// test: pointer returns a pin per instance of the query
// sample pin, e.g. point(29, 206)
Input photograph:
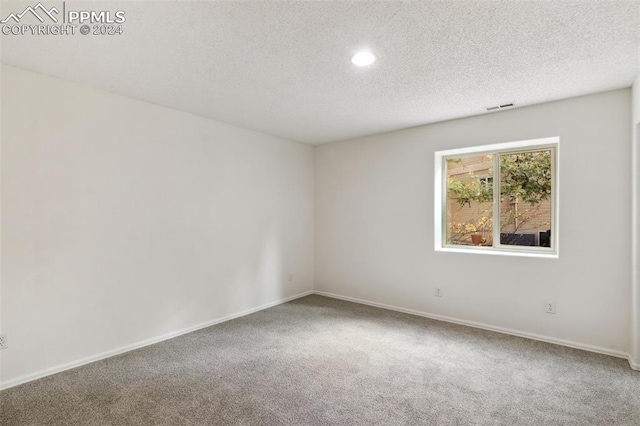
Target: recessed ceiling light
point(362, 59)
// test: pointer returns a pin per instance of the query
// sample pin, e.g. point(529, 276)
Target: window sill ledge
point(498, 252)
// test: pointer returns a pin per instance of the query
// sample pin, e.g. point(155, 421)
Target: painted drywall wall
point(1, 216)
point(123, 221)
point(375, 214)
point(635, 99)
point(635, 252)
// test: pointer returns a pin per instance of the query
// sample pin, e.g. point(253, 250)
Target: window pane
point(469, 205)
point(525, 199)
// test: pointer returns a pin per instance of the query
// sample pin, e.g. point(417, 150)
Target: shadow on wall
point(233, 288)
point(259, 280)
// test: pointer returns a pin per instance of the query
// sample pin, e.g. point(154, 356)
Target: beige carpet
point(320, 361)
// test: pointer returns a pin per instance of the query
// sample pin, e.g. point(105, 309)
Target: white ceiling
point(284, 68)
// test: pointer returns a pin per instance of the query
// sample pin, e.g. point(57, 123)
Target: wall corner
point(634, 349)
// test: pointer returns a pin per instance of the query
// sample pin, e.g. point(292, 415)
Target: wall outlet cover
point(550, 307)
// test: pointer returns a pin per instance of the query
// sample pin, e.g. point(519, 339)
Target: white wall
point(635, 89)
point(635, 252)
point(374, 225)
point(123, 221)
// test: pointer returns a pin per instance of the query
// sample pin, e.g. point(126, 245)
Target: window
point(499, 199)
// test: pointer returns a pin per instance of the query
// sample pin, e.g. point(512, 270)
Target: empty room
point(320, 212)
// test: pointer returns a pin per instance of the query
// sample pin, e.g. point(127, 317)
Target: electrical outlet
point(438, 292)
point(3, 341)
point(550, 307)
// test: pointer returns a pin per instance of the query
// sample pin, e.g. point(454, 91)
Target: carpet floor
point(321, 361)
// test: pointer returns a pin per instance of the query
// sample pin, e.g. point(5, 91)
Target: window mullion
point(496, 199)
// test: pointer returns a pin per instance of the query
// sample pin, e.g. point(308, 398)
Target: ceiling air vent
point(497, 107)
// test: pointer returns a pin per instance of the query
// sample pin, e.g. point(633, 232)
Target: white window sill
point(498, 252)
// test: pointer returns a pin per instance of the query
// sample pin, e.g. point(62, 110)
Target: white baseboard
point(633, 364)
point(97, 357)
point(561, 342)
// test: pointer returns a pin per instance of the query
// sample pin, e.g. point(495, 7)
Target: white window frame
point(440, 198)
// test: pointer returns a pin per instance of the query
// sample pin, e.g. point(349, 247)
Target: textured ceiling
point(284, 68)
